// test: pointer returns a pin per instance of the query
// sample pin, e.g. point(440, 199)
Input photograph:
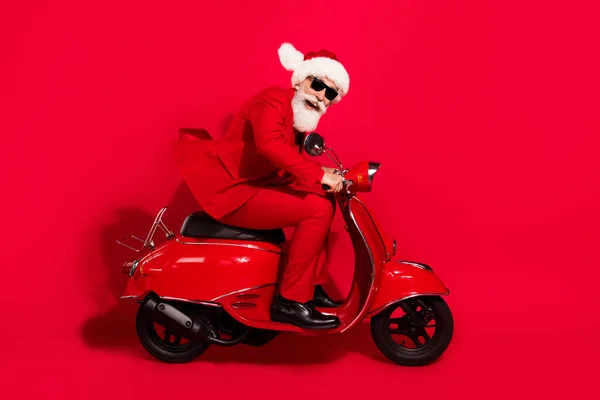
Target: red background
point(484, 115)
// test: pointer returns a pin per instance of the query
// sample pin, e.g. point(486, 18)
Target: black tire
point(426, 308)
point(163, 349)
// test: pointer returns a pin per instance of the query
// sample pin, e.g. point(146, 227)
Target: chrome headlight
point(373, 168)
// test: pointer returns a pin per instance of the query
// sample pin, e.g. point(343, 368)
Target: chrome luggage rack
point(149, 242)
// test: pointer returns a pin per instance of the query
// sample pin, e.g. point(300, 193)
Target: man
point(257, 178)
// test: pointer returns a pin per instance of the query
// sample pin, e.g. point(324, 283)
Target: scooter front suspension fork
point(419, 318)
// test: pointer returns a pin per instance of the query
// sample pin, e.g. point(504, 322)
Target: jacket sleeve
point(267, 117)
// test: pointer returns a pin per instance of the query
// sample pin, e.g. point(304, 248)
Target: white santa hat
point(323, 64)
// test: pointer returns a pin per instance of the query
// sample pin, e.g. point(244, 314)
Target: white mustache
point(315, 101)
point(306, 118)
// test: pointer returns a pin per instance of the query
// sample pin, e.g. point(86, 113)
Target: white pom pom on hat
point(290, 57)
point(322, 63)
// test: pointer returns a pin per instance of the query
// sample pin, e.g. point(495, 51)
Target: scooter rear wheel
point(167, 347)
point(408, 339)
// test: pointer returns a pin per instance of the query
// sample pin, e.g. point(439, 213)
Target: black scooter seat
point(202, 225)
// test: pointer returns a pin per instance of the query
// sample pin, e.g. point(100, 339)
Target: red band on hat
point(320, 53)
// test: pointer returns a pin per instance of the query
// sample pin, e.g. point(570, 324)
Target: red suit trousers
point(311, 216)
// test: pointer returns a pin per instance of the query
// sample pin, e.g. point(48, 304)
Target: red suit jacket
point(258, 149)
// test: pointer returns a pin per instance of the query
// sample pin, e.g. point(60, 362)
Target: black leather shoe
point(302, 315)
point(322, 300)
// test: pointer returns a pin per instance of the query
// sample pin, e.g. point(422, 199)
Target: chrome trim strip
point(383, 307)
point(388, 258)
point(360, 231)
point(353, 322)
point(248, 246)
point(243, 290)
point(204, 303)
point(416, 264)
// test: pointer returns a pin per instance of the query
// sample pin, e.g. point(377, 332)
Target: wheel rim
point(408, 336)
point(169, 341)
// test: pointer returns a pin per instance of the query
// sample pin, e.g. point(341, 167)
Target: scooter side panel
point(251, 307)
point(403, 279)
point(205, 269)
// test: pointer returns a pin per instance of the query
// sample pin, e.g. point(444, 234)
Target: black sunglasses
point(318, 85)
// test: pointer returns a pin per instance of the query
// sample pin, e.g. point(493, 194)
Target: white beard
point(306, 119)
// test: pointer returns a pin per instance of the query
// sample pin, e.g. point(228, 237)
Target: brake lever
point(347, 185)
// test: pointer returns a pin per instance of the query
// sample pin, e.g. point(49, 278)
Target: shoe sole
point(284, 320)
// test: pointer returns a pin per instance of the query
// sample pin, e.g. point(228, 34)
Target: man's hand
point(328, 169)
point(335, 182)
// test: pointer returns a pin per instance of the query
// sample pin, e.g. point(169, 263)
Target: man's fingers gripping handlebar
point(328, 188)
point(332, 182)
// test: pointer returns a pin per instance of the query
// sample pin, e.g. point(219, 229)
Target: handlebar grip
point(325, 186)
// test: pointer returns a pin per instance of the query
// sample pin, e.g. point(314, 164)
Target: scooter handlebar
point(327, 187)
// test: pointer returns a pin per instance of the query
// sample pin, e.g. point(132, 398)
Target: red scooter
point(214, 283)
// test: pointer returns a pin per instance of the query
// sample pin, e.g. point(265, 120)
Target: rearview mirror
point(314, 144)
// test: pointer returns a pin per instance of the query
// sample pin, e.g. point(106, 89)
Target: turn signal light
point(129, 267)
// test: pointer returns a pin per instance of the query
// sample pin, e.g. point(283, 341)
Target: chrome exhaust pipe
point(176, 321)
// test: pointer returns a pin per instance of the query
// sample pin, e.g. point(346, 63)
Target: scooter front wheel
point(164, 345)
point(418, 335)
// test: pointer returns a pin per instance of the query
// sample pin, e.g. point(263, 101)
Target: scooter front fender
point(404, 279)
